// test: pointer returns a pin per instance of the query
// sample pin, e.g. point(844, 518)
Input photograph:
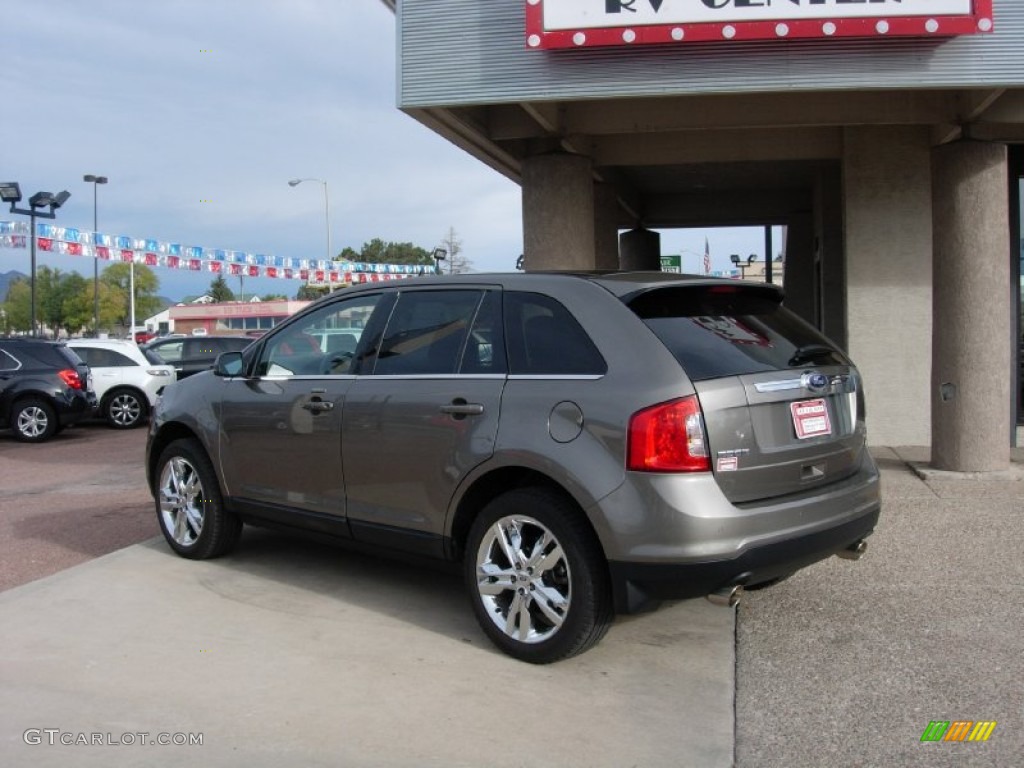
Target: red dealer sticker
point(589, 23)
point(810, 418)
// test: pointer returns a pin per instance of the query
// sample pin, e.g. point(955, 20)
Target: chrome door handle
point(318, 406)
point(460, 407)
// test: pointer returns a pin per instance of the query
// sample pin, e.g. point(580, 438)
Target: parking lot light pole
point(327, 210)
point(96, 181)
point(10, 192)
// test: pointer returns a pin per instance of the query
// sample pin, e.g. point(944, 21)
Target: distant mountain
point(6, 278)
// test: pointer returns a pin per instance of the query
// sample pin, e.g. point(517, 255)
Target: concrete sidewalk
point(847, 663)
point(291, 653)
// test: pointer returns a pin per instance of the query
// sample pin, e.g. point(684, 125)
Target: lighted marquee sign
point(588, 23)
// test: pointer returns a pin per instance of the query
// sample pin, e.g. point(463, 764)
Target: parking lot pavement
point(292, 653)
point(77, 496)
point(848, 663)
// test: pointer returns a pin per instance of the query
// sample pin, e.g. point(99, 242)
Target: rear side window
point(716, 331)
point(543, 338)
point(8, 362)
point(98, 357)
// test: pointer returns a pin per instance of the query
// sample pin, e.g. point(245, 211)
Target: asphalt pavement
point(289, 652)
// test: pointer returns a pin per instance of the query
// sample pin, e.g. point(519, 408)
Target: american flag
point(707, 257)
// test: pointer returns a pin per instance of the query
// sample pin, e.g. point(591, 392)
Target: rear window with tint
point(716, 331)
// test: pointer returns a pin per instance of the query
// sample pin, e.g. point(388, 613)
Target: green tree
point(18, 306)
point(75, 302)
point(146, 285)
point(309, 292)
point(273, 297)
point(220, 290)
point(378, 251)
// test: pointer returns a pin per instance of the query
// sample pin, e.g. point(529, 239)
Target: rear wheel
point(189, 504)
point(125, 408)
point(537, 577)
point(33, 420)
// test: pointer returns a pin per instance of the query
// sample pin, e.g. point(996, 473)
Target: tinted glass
point(323, 342)
point(7, 362)
point(170, 352)
point(427, 332)
point(544, 338)
point(99, 357)
point(485, 348)
point(731, 330)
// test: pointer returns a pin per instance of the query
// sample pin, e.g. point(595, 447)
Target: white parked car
point(125, 382)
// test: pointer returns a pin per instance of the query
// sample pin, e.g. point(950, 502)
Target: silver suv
point(582, 444)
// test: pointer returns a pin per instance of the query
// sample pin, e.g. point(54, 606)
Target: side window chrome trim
point(421, 376)
point(557, 376)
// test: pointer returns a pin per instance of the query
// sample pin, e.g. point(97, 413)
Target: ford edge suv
point(582, 444)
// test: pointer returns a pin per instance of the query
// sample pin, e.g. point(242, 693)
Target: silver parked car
point(583, 444)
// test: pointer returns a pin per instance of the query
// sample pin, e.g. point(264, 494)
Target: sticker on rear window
point(810, 418)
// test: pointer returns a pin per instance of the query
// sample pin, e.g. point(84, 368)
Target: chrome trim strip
point(779, 386)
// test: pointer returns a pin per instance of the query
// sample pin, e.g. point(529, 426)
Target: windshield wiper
point(810, 352)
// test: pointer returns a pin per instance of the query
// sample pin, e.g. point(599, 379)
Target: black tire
point(33, 420)
point(571, 576)
point(125, 408)
point(189, 506)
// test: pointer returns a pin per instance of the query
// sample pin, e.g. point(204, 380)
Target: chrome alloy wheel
point(523, 579)
point(125, 409)
point(182, 501)
point(33, 421)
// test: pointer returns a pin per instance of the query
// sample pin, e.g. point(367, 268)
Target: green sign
point(672, 264)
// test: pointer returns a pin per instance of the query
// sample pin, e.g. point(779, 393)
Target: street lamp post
point(327, 210)
point(10, 192)
point(96, 181)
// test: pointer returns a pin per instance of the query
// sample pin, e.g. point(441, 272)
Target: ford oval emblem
point(817, 383)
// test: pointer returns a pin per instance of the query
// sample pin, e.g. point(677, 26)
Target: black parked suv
point(44, 387)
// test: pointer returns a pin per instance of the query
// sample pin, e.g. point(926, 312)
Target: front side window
point(323, 342)
point(427, 332)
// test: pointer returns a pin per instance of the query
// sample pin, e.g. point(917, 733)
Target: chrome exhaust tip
point(854, 551)
point(727, 597)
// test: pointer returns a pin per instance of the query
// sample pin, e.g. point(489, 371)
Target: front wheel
point(537, 577)
point(189, 505)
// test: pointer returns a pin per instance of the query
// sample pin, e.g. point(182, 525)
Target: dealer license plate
point(810, 418)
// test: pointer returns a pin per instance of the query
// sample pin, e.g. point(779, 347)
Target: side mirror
point(228, 364)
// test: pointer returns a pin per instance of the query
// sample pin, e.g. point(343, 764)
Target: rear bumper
point(640, 586)
point(73, 407)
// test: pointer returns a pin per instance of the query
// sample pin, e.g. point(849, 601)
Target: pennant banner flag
point(156, 253)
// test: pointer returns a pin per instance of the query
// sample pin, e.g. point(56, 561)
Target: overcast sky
point(200, 111)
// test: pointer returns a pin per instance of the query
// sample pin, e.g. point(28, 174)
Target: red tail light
point(71, 378)
point(668, 437)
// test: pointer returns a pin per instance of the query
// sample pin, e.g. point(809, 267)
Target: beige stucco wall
point(887, 207)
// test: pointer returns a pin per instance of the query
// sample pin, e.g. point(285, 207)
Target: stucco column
point(606, 227)
point(887, 210)
point(558, 212)
point(640, 249)
point(971, 373)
